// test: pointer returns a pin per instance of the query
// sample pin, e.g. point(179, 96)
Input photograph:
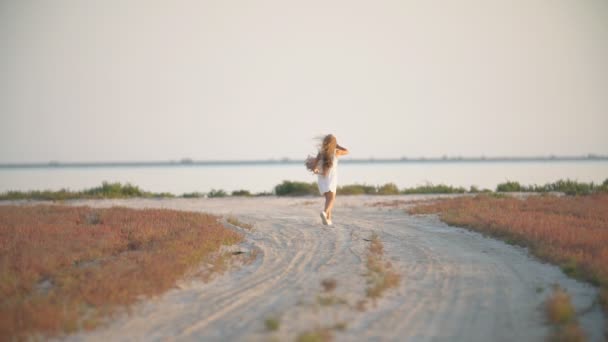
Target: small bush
point(236, 222)
point(115, 190)
point(217, 193)
point(509, 187)
point(319, 335)
point(356, 189)
point(288, 188)
point(561, 313)
point(567, 186)
point(193, 195)
point(106, 190)
point(241, 193)
point(388, 189)
point(263, 194)
point(559, 307)
point(429, 188)
point(272, 324)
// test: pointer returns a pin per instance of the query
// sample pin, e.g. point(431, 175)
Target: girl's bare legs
point(330, 197)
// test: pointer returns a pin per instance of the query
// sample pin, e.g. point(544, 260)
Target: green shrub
point(388, 189)
point(106, 190)
point(262, 194)
point(570, 187)
point(244, 193)
point(115, 190)
point(217, 193)
point(509, 187)
point(567, 186)
point(429, 188)
point(356, 189)
point(288, 188)
point(193, 195)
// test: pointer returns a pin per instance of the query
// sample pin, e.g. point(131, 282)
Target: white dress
point(329, 182)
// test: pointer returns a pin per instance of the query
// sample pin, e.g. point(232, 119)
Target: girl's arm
point(341, 151)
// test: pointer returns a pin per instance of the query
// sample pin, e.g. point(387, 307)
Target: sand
point(456, 285)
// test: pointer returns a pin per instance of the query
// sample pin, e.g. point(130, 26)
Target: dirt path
point(455, 285)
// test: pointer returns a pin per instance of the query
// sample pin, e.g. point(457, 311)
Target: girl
point(325, 165)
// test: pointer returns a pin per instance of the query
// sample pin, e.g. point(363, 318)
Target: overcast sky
point(161, 80)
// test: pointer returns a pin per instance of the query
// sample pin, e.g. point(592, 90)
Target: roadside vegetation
point(236, 222)
point(106, 190)
point(561, 314)
point(569, 187)
point(291, 188)
point(63, 269)
point(569, 231)
point(380, 274)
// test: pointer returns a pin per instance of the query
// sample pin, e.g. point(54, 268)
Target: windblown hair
point(326, 152)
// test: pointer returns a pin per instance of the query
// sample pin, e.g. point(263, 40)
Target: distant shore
point(287, 161)
point(295, 188)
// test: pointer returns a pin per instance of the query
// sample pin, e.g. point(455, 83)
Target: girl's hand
point(341, 151)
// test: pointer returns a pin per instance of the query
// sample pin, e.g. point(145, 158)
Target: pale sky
point(161, 80)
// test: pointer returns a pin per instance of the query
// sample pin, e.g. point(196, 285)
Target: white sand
point(456, 285)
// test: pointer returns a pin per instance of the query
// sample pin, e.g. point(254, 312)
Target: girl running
point(325, 165)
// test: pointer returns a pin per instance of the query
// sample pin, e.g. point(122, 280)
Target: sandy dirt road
point(456, 285)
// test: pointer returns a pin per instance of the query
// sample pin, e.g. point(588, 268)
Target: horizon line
point(286, 160)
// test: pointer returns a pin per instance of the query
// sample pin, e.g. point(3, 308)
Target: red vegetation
point(569, 231)
point(63, 268)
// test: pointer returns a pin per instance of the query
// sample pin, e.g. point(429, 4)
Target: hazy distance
point(165, 80)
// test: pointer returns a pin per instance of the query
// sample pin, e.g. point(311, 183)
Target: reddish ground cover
point(570, 231)
point(65, 268)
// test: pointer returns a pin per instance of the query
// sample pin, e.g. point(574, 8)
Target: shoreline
point(186, 162)
point(297, 189)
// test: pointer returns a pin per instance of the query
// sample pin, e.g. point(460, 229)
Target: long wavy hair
point(327, 149)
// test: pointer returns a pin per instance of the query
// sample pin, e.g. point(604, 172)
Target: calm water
point(257, 178)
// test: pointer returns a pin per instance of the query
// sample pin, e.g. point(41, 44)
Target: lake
point(178, 179)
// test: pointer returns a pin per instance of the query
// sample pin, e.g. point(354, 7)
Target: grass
point(106, 190)
point(559, 308)
point(217, 193)
point(356, 189)
point(561, 314)
point(429, 188)
point(67, 268)
point(288, 188)
point(241, 193)
point(272, 324)
point(380, 274)
point(329, 300)
point(569, 231)
point(567, 186)
point(317, 335)
point(236, 222)
point(291, 188)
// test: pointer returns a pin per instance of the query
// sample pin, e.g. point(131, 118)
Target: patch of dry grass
point(67, 268)
point(236, 222)
point(559, 308)
point(570, 231)
point(329, 300)
point(561, 313)
point(329, 284)
point(380, 273)
point(317, 335)
point(272, 324)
